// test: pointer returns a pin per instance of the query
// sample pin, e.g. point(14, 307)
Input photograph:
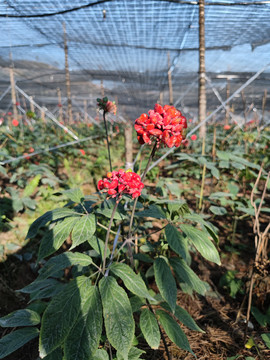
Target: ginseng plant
point(96, 299)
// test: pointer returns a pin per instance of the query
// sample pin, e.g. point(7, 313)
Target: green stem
point(107, 237)
point(107, 138)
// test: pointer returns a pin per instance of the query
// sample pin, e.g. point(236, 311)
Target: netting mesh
point(126, 44)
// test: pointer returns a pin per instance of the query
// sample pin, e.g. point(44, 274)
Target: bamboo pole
point(128, 146)
point(60, 104)
point(70, 117)
point(170, 80)
point(263, 104)
point(244, 105)
point(102, 88)
point(85, 110)
point(228, 104)
point(161, 98)
point(32, 107)
point(202, 91)
point(13, 91)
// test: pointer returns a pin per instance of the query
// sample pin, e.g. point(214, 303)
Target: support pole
point(161, 98)
point(170, 80)
point(85, 110)
point(70, 118)
point(202, 91)
point(60, 105)
point(228, 105)
point(263, 105)
point(32, 107)
point(102, 88)
point(13, 91)
point(128, 146)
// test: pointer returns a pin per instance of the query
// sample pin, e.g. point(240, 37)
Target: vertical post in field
point(60, 105)
point(228, 104)
point(70, 117)
point(202, 89)
point(170, 80)
point(13, 91)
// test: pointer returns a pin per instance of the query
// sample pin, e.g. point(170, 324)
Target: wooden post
point(128, 146)
point(42, 114)
point(202, 91)
point(32, 107)
point(70, 118)
point(244, 105)
point(60, 105)
point(228, 104)
point(85, 110)
point(170, 80)
point(263, 104)
point(102, 88)
point(13, 92)
point(161, 98)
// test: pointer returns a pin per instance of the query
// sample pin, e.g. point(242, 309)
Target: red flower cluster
point(165, 124)
point(106, 105)
point(121, 182)
point(15, 122)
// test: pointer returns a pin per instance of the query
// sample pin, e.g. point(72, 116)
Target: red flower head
point(226, 127)
point(9, 113)
point(1, 121)
point(31, 150)
point(165, 124)
point(82, 152)
point(107, 106)
point(15, 122)
point(17, 104)
point(26, 156)
point(193, 137)
point(121, 182)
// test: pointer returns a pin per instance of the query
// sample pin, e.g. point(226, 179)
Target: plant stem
point(107, 138)
point(203, 175)
point(142, 178)
point(107, 236)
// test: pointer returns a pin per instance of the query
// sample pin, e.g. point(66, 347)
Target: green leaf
point(60, 262)
point(31, 186)
point(83, 340)
point(98, 245)
point(149, 328)
point(133, 354)
point(173, 330)
point(107, 212)
point(165, 282)
point(183, 316)
point(29, 203)
point(132, 281)
point(187, 275)
point(153, 211)
point(223, 155)
point(136, 303)
point(117, 312)
point(52, 215)
point(266, 339)
point(101, 354)
point(74, 195)
point(60, 316)
point(218, 210)
point(55, 355)
point(260, 317)
point(15, 340)
point(54, 238)
point(83, 230)
point(23, 317)
point(3, 170)
point(202, 243)
point(207, 225)
point(176, 241)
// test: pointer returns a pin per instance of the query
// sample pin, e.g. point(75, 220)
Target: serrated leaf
point(187, 275)
point(15, 340)
point(207, 225)
point(218, 210)
point(149, 328)
point(132, 281)
point(31, 186)
point(88, 327)
point(201, 242)
point(176, 241)
point(37, 285)
point(60, 316)
point(165, 282)
point(153, 211)
point(29, 203)
point(24, 317)
point(55, 355)
point(47, 292)
point(117, 312)
point(136, 303)
point(3, 171)
point(74, 195)
point(173, 330)
point(83, 230)
point(54, 238)
point(133, 354)
point(52, 215)
point(60, 262)
point(266, 339)
point(98, 245)
point(184, 317)
point(108, 213)
point(101, 354)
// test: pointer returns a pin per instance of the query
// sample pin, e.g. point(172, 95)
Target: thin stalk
point(107, 236)
point(203, 175)
point(142, 178)
point(107, 139)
